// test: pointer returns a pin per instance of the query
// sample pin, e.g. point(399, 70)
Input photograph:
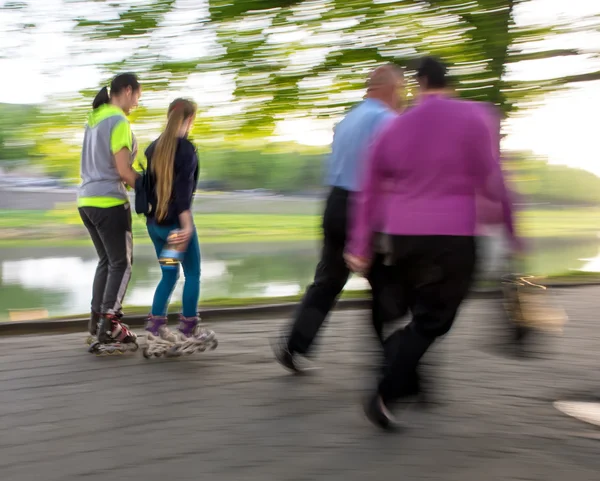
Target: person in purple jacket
point(423, 177)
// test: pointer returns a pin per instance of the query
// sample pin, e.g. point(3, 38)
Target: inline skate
point(93, 326)
point(189, 338)
point(113, 337)
point(160, 340)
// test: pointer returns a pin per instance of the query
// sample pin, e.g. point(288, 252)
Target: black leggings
point(110, 230)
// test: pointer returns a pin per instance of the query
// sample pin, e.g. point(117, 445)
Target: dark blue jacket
point(185, 179)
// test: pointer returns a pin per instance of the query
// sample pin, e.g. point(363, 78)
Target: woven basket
point(527, 303)
point(527, 323)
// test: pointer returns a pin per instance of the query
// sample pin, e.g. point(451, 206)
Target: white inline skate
point(160, 340)
point(189, 338)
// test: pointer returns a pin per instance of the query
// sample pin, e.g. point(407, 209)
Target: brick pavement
point(234, 414)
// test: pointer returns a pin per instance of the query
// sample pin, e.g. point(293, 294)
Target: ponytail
point(163, 158)
point(101, 98)
point(117, 85)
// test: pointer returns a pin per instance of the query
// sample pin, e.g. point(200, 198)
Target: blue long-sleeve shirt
point(351, 140)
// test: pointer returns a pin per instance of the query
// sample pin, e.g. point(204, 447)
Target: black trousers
point(432, 275)
point(110, 230)
point(330, 278)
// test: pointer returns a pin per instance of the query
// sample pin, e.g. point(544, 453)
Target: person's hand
point(518, 246)
point(182, 237)
point(360, 265)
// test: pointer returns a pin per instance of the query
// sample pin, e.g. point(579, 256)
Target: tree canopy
point(258, 62)
point(309, 57)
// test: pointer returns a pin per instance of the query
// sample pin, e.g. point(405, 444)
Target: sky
point(48, 61)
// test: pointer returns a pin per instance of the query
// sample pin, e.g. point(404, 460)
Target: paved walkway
point(233, 414)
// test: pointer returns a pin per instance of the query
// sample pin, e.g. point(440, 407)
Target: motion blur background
point(271, 78)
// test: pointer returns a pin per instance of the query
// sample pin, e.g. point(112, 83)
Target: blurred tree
point(14, 138)
point(477, 38)
point(540, 182)
point(309, 57)
point(290, 59)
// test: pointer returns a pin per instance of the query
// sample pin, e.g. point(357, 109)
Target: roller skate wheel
point(135, 347)
point(173, 352)
point(94, 347)
point(214, 345)
point(146, 353)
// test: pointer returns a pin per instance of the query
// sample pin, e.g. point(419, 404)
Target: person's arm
point(123, 163)
point(184, 187)
point(121, 144)
point(359, 247)
point(488, 171)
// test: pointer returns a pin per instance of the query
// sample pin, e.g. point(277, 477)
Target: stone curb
point(62, 326)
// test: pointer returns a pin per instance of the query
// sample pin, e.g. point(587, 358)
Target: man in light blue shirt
point(351, 141)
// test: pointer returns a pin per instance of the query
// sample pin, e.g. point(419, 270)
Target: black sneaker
point(377, 412)
point(284, 356)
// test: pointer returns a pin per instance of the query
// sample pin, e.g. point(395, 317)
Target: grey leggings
point(110, 230)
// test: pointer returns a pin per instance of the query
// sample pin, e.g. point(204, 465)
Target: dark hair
point(118, 84)
point(434, 72)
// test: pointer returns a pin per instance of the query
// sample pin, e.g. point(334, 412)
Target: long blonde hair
point(163, 158)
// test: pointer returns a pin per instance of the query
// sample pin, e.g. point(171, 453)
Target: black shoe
point(284, 356)
point(378, 414)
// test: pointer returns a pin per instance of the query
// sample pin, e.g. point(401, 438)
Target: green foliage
point(13, 6)
point(478, 39)
point(63, 226)
point(281, 172)
point(142, 18)
point(14, 137)
point(542, 183)
point(289, 172)
point(300, 56)
point(224, 10)
point(288, 58)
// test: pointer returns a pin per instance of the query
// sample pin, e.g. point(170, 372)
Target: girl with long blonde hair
point(173, 173)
